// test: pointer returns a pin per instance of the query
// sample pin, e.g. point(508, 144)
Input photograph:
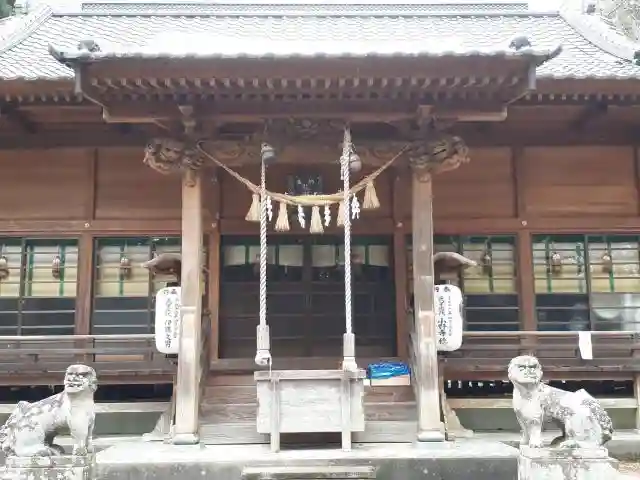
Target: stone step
point(246, 412)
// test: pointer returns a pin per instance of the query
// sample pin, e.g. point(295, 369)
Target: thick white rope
point(263, 246)
point(344, 172)
point(263, 354)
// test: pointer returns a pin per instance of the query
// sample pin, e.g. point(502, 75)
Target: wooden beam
point(239, 226)
point(481, 113)
point(273, 106)
point(84, 295)
point(428, 399)
point(502, 134)
point(187, 388)
point(400, 267)
point(524, 254)
point(214, 267)
point(260, 108)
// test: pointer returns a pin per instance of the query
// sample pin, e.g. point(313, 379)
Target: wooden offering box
point(310, 401)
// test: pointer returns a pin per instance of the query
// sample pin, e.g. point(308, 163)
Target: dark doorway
point(305, 296)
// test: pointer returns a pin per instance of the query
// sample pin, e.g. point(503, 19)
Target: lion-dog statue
point(32, 427)
point(580, 417)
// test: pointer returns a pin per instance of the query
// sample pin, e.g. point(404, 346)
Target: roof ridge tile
point(30, 23)
point(596, 31)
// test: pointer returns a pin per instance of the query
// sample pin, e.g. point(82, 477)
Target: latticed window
point(38, 282)
point(124, 291)
point(490, 289)
point(587, 282)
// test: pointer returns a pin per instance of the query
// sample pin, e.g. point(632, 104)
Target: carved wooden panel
point(578, 181)
point(44, 184)
point(482, 188)
point(128, 189)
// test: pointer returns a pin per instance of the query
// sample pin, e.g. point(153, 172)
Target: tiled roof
point(26, 55)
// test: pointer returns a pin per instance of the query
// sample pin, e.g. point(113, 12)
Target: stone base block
point(479, 460)
point(566, 464)
point(48, 468)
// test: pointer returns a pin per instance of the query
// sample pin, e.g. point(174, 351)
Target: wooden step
point(241, 413)
point(245, 433)
point(246, 394)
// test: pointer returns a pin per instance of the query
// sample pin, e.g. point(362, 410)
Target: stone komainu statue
point(581, 418)
point(31, 428)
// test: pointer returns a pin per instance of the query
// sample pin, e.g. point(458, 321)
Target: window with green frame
point(38, 281)
point(124, 291)
point(587, 282)
point(490, 289)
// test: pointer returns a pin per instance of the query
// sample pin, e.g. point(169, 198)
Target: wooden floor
point(228, 414)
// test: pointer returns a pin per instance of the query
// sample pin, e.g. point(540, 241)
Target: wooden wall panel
point(128, 189)
point(236, 198)
point(483, 188)
point(44, 184)
point(578, 181)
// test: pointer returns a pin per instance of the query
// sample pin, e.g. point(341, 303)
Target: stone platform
point(429, 461)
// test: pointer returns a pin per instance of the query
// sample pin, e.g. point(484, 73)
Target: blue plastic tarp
point(387, 370)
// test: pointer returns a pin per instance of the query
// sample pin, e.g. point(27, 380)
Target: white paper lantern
point(448, 302)
point(168, 319)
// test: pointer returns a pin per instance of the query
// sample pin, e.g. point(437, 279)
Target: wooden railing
point(486, 354)
point(108, 354)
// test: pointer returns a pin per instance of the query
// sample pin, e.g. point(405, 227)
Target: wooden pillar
point(426, 375)
point(400, 267)
point(187, 389)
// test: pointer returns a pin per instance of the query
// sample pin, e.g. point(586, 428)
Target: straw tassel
point(316, 221)
point(340, 218)
point(282, 222)
point(253, 215)
point(370, 201)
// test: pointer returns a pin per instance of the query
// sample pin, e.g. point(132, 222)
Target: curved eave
point(480, 69)
point(73, 58)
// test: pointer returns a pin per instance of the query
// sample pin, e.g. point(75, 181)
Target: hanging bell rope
point(348, 340)
point(263, 353)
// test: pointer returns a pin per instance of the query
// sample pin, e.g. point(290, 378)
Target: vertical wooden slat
point(84, 291)
point(526, 286)
point(636, 394)
point(428, 398)
point(187, 388)
point(214, 199)
point(90, 185)
point(636, 170)
point(517, 170)
point(524, 257)
point(400, 266)
point(85, 285)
